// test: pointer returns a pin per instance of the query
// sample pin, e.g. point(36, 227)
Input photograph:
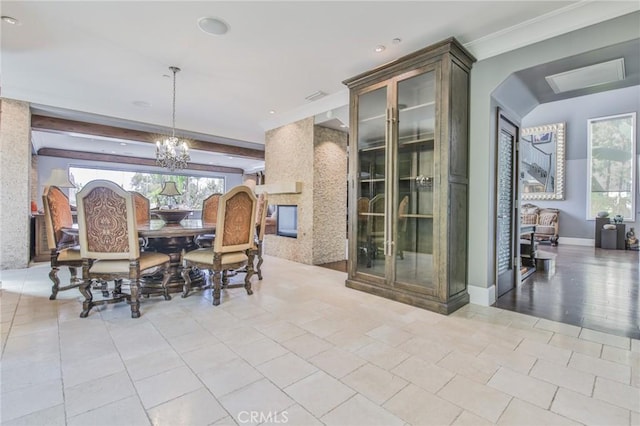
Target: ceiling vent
point(593, 75)
point(316, 95)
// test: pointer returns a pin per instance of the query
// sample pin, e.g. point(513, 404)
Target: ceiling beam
point(123, 159)
point(64, 126)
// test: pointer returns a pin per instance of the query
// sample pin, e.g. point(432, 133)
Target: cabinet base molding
point(418, 300)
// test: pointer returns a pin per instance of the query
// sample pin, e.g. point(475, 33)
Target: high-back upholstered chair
point(209, 216)
point(234, 242)
point(64, 250)
point(109, 244)
point(261, 223)
point(143, 215)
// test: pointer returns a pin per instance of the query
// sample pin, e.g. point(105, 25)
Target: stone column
point(316, 157)
point(15, 170)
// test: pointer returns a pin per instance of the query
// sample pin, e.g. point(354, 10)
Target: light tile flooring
point(303, 350)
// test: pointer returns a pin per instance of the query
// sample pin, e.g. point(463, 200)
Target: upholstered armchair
point(546, 221)
point(109, 245)
point(64, 249)
point(233, 245)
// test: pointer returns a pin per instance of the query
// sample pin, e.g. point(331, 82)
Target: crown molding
point(561, 21)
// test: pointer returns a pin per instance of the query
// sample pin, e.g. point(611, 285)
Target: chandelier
point(171, 152)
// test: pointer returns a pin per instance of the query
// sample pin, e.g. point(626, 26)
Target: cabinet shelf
point(371, 180)
point(407, 109)
point(418, 216)
point(373, 148)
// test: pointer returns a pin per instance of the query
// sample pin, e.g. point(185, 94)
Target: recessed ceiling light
point(142, 104)
point(10, 20)
point(213, 26)
point(272, 112)
point(230, 158)
point(123, 144)
point(380, 48)
point(396, 40)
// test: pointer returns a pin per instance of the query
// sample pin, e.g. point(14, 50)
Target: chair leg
point(217, 284)
point(260, 260)
point(165, 280)
point(135, 300)
point(53, 276)
point(247, 278)
point(85, 290)
point(186, 276)
point(225, 278)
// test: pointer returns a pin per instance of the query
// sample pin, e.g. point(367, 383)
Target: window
point(194, 189)
point(612, 157)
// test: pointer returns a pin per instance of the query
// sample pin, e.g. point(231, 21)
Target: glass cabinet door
point(415, 179)
point(372, 163)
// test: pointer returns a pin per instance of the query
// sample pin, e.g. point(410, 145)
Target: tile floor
point(303, 350)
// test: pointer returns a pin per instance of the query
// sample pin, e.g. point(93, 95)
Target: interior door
point(506, 202)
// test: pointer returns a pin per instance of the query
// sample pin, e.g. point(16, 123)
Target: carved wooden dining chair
point(143, 214)
point(109, 245)
point(143, 211)
point(262, 207)
point(234, 242)
point(64, 248)
point(209, 217)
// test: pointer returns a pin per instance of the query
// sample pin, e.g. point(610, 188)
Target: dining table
point(171, 239)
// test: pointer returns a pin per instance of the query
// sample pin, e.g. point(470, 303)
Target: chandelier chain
point(173, 105)
point(171, 152)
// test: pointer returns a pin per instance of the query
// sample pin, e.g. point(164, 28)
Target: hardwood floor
point(591, 288)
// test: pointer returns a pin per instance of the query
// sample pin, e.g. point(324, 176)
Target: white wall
point(575, 112)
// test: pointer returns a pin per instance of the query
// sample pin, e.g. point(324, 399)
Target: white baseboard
point(589, 242)
point(482, 296)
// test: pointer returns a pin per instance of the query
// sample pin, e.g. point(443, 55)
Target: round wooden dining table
point(170, 239)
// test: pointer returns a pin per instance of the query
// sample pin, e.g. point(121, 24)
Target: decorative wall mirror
point(542, 162)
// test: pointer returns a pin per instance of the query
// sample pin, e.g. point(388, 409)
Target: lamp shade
point(59, 178)
point(169, 188)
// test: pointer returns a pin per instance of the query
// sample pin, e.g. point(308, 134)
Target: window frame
point(634, 167)
point(168, 174)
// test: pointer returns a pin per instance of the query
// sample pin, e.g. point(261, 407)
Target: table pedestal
point(173, 246)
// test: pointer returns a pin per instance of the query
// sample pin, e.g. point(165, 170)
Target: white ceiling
point(102, 57)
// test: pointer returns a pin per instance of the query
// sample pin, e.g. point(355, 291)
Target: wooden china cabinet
point(409, 178)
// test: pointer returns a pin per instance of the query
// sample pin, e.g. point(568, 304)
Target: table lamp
point(169, 189)
point(59, 178)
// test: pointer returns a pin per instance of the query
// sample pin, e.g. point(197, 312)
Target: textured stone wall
point(317, 157)
point(15, 172)
point(329, 195)
point(289, 158)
